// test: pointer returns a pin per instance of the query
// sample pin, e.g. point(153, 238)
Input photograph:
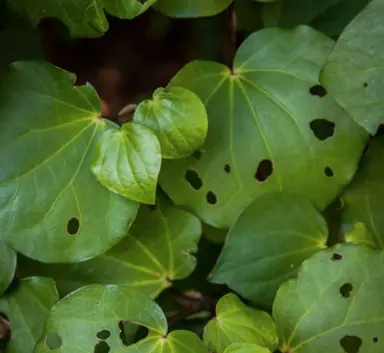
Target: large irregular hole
point(322, 128)
point(103, 334)
point(328, 172)
point(264, 170)
point(193, 179)
point(336, 257)
point(53, 340)
point(318, 90)
point(102, 347)
point(351, 344)
point(73, 226)
point(345, 290)
point(211, 198)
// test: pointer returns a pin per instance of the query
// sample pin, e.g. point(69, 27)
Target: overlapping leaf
point(7, 266)
point(278, 247)
point(336, 303)
point(51, 206)
point(246, 348)
point(192, 8)
point(272, 127)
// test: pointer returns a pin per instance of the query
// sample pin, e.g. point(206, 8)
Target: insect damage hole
point(102, 347)
point(193, 178)
point(318, 90)
point(336, 257)
point(211, 198)
point(73, 226)
point(227, 168)
point(322, 128)
point(328, 172)
point(345, 290)
point(53, 340)
point(375, 339)
point(103, 334)
point(264, 170)
point(351, 344)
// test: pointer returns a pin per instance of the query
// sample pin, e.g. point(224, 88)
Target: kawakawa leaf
point(256, 272)
point(353, 73)
point(127, 161)
point(336, 304)
point(98, 312)
point(192, 8)
point(272, 127)
point(246, 348)
point(7, 266)
point(51, 206)
point(84, 18)
point(158, 251)
point(26, 307)
point(237, 323)
point(178, 118)
point(363, 199)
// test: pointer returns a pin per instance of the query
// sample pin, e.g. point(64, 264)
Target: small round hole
point(264, 170)
point(365, 84)
point(53, 340)
point(103, 334)
point(345, 290)
point(227, 168)
point(73, 226)
point(328, 172)
point(193, 178)
point(318, 90)
point(375, 339)
point(336, 257)
point(211, 198)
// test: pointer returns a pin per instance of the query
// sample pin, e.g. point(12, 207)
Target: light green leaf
point(177, 117)
point(158, 251)
point(26, 308)
point(272, 127)
point(353, 73)
point(336, 303)
point(127, 161)
point(48, 130)
point(246, 348)
point(83, 18)
point(256, 272)
point(192, 8)
point(237, 323)
point(97, 311)
point(7, 266)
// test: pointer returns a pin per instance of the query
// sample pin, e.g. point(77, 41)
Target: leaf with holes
point(246, 348)
point(288, 133)
point(127, 161)
point(7, 266)
point(192, 8)
point(257, 272)
point(98, 311)
point(83, 18)
point(26, 307)
point(177, 117)
point(336, 303)
point(353, 73)
point(237, 323)
point(51, 206)
point(157, 252)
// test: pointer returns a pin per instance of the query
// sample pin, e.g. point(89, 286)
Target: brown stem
point(5, 328)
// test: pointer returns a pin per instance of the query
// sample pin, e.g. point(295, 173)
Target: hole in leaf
point(53, 340)
point(103, 334)
point(227, 168)
point(318, 90)
point(102, 347)
point(345, 290)
point(193, 179)
point(322, 128)
point(73, 226)
point(365, 84)
point(351, 344)
point(264, 170)
point(197, 154)
point(336, 257)
point(375, 339)
point(328, 172)
point(211, 198)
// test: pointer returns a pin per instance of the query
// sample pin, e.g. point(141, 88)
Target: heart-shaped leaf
point(98, 313)
point(246, 348)
point(127, 161)
point(8, 261)
point(83, 18)
point(272, 127)
point(51, 206)
point(353, 73)
point(192, 8)
point(177, 117)
point(26, 307)
point(237, 323)
point(336, 303)
point(256, 272)
point(157, 251)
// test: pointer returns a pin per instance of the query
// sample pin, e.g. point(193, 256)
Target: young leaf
point(26, 308)
point(83, 18)
point(336, 303)
point(192, 8)
point(48, 129)
point(256, 272)
point(8, 261)
point(237, 323)
point(98, 311)
point(158, 251)
point(260, 138)
point(353, 73)
point(177, 117)
point(246, 348)
point(128, 161)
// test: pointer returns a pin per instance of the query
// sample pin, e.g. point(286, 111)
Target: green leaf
point(353, 73)
point(98, 311)
point(158, 251)
point(83, 18)
point(7, 266)
point(256, 272)
point(26, 308)
point(246, 348)
point(127, 161)
point(192, 8)
point(48, 130)
point(364, 198)
point(237, 323)
point(177, 117)
point(261, 138)
point(336, 303)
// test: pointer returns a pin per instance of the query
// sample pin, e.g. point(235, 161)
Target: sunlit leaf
point(192, 8)
point(246, 348)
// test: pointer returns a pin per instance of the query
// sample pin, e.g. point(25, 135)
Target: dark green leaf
point(7, 266)
point(192, 8)
point(48, 130)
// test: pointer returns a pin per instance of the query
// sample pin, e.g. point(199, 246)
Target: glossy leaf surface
point(246, 348)
point(192, 8)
